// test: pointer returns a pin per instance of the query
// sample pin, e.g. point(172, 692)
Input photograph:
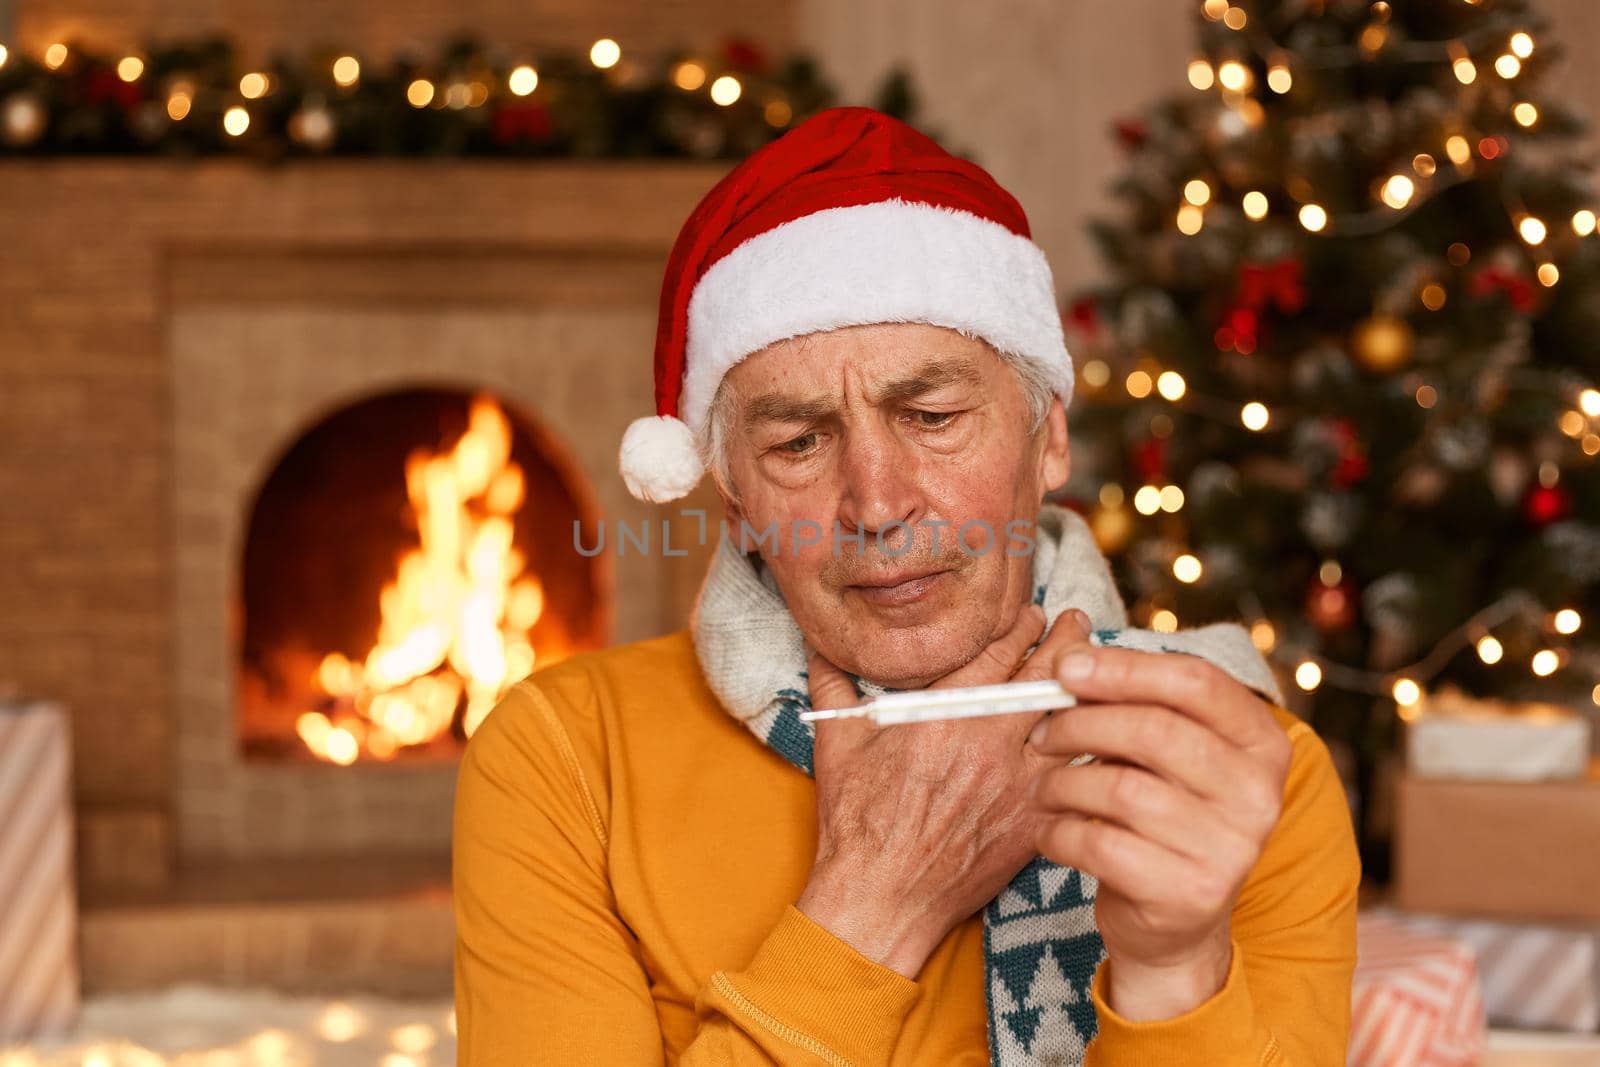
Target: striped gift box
point(38, 913)
point(1534, 976)
point(1415, 999)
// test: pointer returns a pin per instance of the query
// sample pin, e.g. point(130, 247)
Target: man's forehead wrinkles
point(778, 405)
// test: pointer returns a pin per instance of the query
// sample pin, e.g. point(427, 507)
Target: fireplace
point(405, 561)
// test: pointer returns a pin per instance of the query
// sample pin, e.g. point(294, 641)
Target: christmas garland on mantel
point(194, 98)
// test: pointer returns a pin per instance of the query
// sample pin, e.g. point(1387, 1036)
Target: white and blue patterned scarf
point(1040, 943)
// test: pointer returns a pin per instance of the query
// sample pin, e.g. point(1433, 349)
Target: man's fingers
point(996, 663)
point(1070, 630)
point(1149, 805)
point(830, 687)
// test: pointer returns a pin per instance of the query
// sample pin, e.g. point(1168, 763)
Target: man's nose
point(879, 487)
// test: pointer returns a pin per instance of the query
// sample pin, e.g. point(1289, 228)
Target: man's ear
point(1055, 458)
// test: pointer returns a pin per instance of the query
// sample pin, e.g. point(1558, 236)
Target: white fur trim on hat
point(888, 261)
point(659, 460)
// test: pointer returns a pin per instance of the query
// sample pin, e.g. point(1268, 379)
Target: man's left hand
point(1170, 818)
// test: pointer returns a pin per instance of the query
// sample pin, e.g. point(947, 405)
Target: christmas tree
point(1340, 381)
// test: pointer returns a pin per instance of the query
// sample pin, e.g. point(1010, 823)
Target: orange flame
point(456, 618)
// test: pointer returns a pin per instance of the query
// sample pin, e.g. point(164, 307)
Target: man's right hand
point(922, 824)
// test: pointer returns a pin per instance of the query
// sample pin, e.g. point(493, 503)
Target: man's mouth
point(906, 587)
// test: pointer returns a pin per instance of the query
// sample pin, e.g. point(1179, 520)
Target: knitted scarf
point(1040, 943)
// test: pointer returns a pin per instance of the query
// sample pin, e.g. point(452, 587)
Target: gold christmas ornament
point(1382, 343)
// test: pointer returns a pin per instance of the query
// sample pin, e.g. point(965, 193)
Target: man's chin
point(906, 653)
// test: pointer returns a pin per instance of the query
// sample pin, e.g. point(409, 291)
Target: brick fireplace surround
point(166, 330)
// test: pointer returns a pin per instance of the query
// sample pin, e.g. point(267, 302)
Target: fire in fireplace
point(407, 560)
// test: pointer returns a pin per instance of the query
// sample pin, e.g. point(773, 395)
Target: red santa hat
point(850, 218)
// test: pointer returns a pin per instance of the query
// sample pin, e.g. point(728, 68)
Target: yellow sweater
point(627, 855)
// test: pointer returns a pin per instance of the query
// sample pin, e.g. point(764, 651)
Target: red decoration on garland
point(105, 85)
point(1518, 289)
point(1545, 504)
point(515, 122)
point(744, 55)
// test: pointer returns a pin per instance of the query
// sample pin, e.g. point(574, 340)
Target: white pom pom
point(659, 459)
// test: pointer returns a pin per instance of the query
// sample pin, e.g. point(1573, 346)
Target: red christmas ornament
point(1545, 504)
point(1280, 283)
point(1150, 460)
point(1519, 290)
point(1351, 467)
point(1131, 134)
point(1084, 314)
point(1331, 607)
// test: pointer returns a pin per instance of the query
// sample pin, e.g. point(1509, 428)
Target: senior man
point(658, 861)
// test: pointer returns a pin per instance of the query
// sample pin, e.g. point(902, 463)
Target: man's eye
point(799, 445)
point(932, 420)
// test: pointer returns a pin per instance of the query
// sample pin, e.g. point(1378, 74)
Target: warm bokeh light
point(688, 75)
point(1466, 71)
point(1147, 501)
point(1545, 662)
point(1589, 402)
point(1171, 498)
point(1426, 396)
point(1186, 568)
point(339, 1022)
point(1532, 230)
point(1096, 373)
point(1171, 385)
point(1490, 650)
point(1263, 636)
point(1508, 66)
point(420, 93)
point(1583, 222)
point(253, 86)
point(1568, 620)
point(523, 80)
point(1313, 217)
point(235, 120)
point(1424, 165)
point(1197, 192)
point(605, 53)
point(1459, 149)
point(1201, 76)
point(725, 90)
point(129, 68)
point(1254, 415)
point(1549, 274)
point(1279, 79)
point(1190, 220)
point(1234, 76)
point(1525, 113)
point(1521, 45)
point(1162, 620)
point(1406, 691)
point(1434, 296)
point(1139, 384)
point(55, 55)
point(1397, 191)
point(1255, 205)
point(346, 71)
point(1308, 675)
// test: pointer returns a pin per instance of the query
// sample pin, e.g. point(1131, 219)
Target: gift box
point(1450, 734)
point(38, 920)
point(1533, 976)
point(1524, 851)
point(1415, 1000)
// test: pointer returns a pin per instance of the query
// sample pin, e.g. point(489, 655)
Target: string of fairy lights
point(1397, 195)
point(183, 98)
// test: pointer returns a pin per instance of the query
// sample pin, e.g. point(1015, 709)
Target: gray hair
point(1036, 387)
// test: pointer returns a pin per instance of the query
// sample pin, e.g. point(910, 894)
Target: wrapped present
point(1450, 734)
point(38, 920)
point(1522, 851)
point(1534, 977)
point(1415, 1000)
